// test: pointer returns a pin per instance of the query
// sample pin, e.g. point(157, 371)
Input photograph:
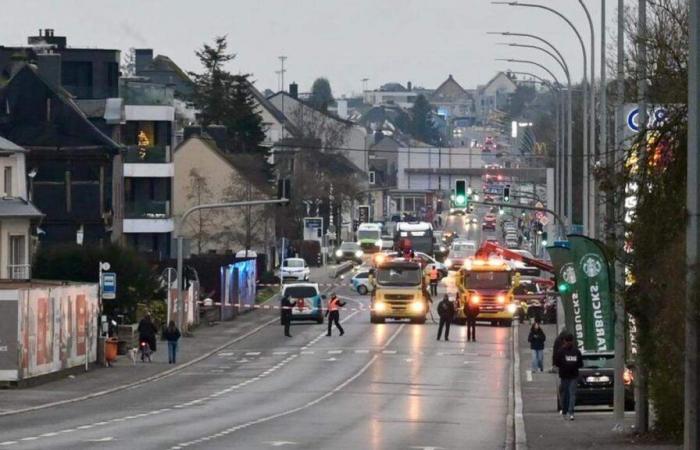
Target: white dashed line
point(335, 352)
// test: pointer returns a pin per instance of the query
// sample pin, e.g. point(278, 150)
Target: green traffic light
point(460, 200)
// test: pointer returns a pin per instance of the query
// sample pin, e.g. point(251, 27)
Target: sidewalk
point(123, 373)
point(544, 427)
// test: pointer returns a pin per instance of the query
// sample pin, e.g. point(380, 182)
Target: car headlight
point(475, 299)
point(448, 262)
point(511, 308)
point(338, 253)
point(501, 298)
point(359, 253)
point(380, 306)
point(417, 307)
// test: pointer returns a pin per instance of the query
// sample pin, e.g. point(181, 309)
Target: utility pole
point(282, 71)
point(589, 160)
point(607, 156)
point(640, 386)
point(692, 390)
point(617, 219)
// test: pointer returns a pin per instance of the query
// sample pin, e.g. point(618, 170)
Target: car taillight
point(628, 377)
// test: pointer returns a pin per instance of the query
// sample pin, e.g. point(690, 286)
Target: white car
point(294, 268)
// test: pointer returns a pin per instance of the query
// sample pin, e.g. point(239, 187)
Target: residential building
point(148, 171)
point(18, 216)
point(394, 94)
point(455, 106)
point(334, 133)
point(383, 168)
point(71, 158)
point(206, 174)
point(494, 96)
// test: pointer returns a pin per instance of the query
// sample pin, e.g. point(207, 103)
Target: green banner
point(563, 263)
point(593, 275)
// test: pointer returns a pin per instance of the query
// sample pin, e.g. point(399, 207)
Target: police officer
point(333, 312)
point(287, 306)
point(446, 311)
point(471, 311)
point(434, 276)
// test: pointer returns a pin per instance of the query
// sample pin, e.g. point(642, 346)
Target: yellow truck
point(400, 292)
point(490, 283)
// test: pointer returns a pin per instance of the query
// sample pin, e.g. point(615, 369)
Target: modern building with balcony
point(148, 133)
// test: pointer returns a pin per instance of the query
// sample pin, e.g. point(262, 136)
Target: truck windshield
point(369, 234)
point(487, 280)
point(399, 276)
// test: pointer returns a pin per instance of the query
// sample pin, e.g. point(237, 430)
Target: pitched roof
point(449, 82)
point(7, 146)
point(246, 165)
point(18, 207)
point(482, 88)
point(272, 109)
point(31, 130)
point(307, 105)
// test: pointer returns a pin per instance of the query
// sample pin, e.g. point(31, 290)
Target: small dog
point(133, 354)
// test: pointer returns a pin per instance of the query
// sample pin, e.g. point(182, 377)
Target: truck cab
point(400, 292)
point(490, 283)
point(369, 236)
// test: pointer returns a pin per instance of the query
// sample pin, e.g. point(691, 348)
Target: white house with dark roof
point(17, 214)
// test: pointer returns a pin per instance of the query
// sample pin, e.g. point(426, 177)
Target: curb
point(520, 437)
point(510, 424)
point(155, 377)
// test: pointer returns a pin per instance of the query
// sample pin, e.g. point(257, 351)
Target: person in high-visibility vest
point(333, 313)
point(434, 278)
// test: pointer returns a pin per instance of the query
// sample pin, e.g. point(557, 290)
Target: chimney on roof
point(47, 38)
point(50, 68)
point(409, 86)
point(143, 57)
point(294, 90)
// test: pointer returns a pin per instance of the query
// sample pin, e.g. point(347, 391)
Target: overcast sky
point(344, 40)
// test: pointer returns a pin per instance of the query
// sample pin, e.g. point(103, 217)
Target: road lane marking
point(335, 352)
point(280, 443)
point(528, 375)
point(288, 412)
point(362, 351)
point(252, 353)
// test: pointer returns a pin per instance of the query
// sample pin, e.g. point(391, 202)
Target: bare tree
point(128, 64)
point(198, 193)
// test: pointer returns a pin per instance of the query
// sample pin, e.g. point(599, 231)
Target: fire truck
point(489, 282)
point(399, 292)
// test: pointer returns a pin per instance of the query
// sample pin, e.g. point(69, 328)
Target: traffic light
point(506, 193)
point(460, 193)
point(544, 239)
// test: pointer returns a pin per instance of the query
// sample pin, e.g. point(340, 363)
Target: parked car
point(294, 268)
point(596, 381)
point(349, 251)
point(307, 301)
point(459, 252)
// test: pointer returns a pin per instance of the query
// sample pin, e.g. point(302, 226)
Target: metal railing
point(19, 271)
point(147, 209)
point(157, 154)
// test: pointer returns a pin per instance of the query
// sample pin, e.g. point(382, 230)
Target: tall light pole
point(604, 100)
point(569, 122)
point(619, 222)
point(691, 438)
point(641, 408)
point(589, 160)
point(584, 96)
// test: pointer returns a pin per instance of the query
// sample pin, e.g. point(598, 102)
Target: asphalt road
point(382, 386)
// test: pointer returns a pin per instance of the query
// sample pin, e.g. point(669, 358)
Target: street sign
point(363, 213)
point(544, 220)
point(539, 205)
point(109, 285)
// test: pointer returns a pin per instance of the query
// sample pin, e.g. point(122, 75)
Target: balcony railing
point(151, 209)
point(19, 271)
point(157, 154)
point(146, 93)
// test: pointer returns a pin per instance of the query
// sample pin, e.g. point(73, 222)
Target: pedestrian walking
point(471, 311)
point(286, 314)
point(172, 335)
point(333, 312)
point(558, 342)
point(446, 311)
point(569, 361)
point(536, 339)
point(434, 278)
point(147, 333)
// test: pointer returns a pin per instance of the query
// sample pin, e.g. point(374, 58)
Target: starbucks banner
point(563, 263)
point(593, 277)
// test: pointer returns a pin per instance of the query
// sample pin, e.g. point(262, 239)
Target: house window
point(371, 177)
point(8, 181)
point(18, 267)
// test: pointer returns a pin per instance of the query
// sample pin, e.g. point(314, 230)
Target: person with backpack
point(446, 311)
point(536, 339)
point(172, 335)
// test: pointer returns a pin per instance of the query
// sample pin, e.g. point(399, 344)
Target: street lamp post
point(590, 158)
point(584, 85)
